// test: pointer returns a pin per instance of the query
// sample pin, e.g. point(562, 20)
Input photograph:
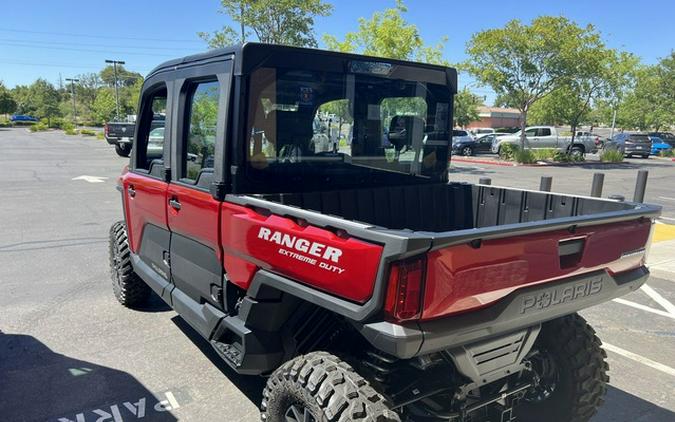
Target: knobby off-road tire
point(581, 368)
point(321, 387)
point(123, 150)
point(129, 289)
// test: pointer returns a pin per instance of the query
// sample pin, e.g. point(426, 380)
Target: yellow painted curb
point(663, 232)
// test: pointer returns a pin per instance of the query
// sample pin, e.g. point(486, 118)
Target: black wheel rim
point(546, 377)
point(298, 413)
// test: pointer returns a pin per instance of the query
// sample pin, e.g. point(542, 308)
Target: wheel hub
point(544, 375)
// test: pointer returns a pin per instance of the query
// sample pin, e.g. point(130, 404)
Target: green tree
point(504, 100)
point(130, 96)
point(21, 95)
point(288, 22)
point(527, 62)
point(666, 74)
point(602, 75)
point(646, 106)
point(388, 34)
point(104, 105)
point(7, 103)
point(124, 76)
point(44, 100)
point(466, 107)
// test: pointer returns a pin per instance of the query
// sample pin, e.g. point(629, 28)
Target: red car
point(361, 281)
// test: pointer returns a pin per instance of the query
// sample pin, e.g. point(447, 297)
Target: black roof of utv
point(254, 55)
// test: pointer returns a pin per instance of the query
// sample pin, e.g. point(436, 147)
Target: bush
point(566, 157)
point(39, 127)
point(666, 154)
point(70, 131)
point(525, 157)
point(87, 132)
point(508, 151)
point(67, 126)
point(544, 154)
point(611, 156)
point(59, 123)
point(99, 135)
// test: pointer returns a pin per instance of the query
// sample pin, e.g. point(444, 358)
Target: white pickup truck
point(541, 137)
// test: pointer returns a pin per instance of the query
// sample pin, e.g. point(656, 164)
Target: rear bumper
point(523, 308)
point(113, 140)
point(634, 150)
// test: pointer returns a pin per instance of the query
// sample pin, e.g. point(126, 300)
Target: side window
point(531, 132)
point(150, 142)
point(200, 140)
point(544, 131)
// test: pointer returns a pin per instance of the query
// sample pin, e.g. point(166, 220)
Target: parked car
point(121, 134)
point(659, 146)
point(362, 283)
point(542, 137)
point(667, 137)
point(481, 145)
point(630, 144)
point(461, 135)
point(478, 131)
point(590, 136)
point(23, 118)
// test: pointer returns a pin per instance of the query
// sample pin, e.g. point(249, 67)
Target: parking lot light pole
point(72, 96)
point(117, 95)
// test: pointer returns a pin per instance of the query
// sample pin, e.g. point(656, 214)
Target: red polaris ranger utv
point(362, 282)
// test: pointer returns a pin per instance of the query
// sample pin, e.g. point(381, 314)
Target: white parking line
point(669, 307)
point(641, 359)
point(643, 308)
point(668, 198)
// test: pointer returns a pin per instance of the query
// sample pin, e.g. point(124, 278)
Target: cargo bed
point(443, 208)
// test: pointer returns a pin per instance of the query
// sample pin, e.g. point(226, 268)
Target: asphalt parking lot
point(69, 352)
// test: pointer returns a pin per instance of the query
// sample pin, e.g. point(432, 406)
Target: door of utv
point(145, 187)
point(193, 213)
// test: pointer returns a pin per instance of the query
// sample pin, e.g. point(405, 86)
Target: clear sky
point(69, 37)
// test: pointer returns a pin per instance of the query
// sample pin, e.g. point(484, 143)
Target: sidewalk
point(661, 259)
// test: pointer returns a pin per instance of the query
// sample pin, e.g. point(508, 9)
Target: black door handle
point(175, 204)
point(132, 191)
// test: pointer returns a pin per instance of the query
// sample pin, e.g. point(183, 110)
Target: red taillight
point(105, 129)
point(406, 285)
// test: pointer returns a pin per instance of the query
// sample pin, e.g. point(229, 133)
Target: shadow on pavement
point(626, 165)
point(38, 384)
point(621, 406)
point(154, 303)
point(250, 385)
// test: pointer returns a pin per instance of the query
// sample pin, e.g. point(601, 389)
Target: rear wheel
point(123, 150)
point(577, 152)
point(571, 373)
point(319, 386)
point(129, 289)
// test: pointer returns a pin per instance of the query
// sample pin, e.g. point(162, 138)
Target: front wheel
point(319, 386)
point(467, 151)
point(571, 373)
point(123, 150)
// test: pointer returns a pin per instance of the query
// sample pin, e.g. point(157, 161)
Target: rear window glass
point(333, 130)
point(639, 138)
point(459, 133)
